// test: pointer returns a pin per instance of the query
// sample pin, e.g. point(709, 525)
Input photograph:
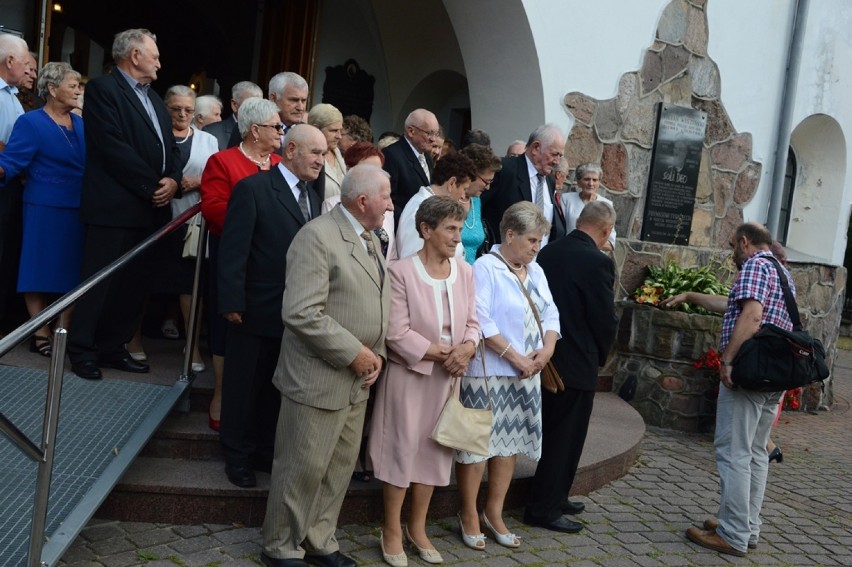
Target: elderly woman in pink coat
point(433, 334)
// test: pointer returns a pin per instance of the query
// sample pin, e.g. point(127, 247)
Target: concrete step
point(180, 477)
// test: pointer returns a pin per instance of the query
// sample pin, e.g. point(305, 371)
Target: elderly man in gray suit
point(335, 312)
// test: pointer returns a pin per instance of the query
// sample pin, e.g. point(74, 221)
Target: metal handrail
point(43, 454)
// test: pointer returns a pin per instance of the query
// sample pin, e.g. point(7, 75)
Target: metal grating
point(96, 420)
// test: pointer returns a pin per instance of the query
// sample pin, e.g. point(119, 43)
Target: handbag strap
point(526, 293)
point(792, 307)
point(481, 348)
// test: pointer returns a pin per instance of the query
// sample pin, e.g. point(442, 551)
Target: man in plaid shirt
point(744, 418)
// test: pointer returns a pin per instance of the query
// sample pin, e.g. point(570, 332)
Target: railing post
point(48, 446)
point(194, 312)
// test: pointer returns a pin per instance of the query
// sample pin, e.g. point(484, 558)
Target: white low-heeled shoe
point(506, 540)
point(427, 555)
point(476, 542)
point(396, 560)
point(198, 367)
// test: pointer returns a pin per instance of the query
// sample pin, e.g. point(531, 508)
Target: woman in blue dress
point(486, 164)
point(48, 148)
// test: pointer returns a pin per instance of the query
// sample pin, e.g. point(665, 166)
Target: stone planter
point(659, 348)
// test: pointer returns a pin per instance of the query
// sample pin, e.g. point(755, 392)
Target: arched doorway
point(817, 223)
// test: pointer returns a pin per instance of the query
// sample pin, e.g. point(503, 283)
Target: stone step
point(180, 478)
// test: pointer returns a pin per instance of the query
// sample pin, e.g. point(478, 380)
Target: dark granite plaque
point(670, 199)
point(350, 89)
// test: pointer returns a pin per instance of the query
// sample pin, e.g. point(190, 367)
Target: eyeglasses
point(279, 126)
point(486, 182)
point(181, 109)
point(429, 133)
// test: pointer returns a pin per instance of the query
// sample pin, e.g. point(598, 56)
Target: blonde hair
point(323, 115)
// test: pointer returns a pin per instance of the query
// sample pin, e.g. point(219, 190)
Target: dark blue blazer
point(581, 279)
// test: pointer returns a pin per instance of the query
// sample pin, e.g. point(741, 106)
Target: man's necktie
point(422, 159)
point(371, 250)
point(383, 238)
point(303, 200)
point(539, 192)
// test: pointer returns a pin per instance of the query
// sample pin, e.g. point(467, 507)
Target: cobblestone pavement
point(637, 520)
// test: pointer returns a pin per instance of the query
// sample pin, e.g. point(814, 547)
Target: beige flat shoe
point(427, 555)
point(397, 560)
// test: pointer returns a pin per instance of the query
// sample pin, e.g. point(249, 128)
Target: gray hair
point(596, 213)
point(546, 135)
point(324, 114)
point(53, 74)
point(205, 103)
point(279, 82)
point(523, 217)
point(12, 45)
point(127, 41)
point(361, 180)
point(255, 111)
point(179, 90)
point(585, 168)
point(418, 117)
point(244, 90)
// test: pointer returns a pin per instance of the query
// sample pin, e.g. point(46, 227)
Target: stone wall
point(658, 347)
point(619, 132)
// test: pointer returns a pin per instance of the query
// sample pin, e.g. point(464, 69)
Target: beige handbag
point(190, 240)
point(465, 429)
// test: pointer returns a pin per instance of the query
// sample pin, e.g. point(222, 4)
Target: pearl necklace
point(258, 163)
point(518, 269)
point(187, 137)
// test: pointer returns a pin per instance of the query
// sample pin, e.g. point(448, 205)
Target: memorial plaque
point(350, 89)
point(670, 199)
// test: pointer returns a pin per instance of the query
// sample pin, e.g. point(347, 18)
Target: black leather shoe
point(776, 455)
point(261, 464)
point(243, 477)
point(560, 524)
point(335, 559)
point(572, 508)
point(87, 369)
point(126, 364)
point(275, 562)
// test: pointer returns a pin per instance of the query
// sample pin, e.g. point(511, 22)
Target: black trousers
point(565, 423)
point(11, 228)
point(108, 316)
point(250, 402)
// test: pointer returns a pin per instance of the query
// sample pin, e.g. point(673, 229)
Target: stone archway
point(817, 220)
point(490, 46)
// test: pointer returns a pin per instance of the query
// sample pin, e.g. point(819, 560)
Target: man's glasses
point(486, 182)
point(429, 133)
point(279, 126)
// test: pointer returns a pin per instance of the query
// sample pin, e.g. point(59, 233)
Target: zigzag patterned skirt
point(517, 415)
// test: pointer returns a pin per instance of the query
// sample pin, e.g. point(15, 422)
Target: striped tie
point(539, 192)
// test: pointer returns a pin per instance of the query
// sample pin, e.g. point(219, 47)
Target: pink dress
point(410, 397)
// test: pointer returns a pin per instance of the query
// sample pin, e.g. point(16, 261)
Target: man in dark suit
point(527, 178)
point(131, 177)
point(226, 131)
point(408, 160)
point(264, 213)
point(581, 279)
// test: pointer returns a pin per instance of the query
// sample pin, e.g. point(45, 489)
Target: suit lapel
point(284, 195)
point(134, 101)
point(358, 251)
point(412, 159)
point(524, 178)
